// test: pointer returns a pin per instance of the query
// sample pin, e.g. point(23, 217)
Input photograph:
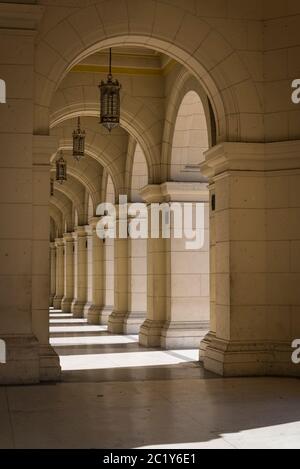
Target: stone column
point(52, 273)
point(137, 286)
point(257, 250)
point(95, 275)
point(24, 299)
point(151, 329)
point(69, 273)
point(212, 281)
point(108, 280)
point(80, 269)
point(117, 318)
point(188, 296)
point(43, 148)
point(60, 274)
point(178, 272)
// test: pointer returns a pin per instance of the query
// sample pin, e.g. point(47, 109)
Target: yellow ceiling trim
point(86, 68)
point(82, 68)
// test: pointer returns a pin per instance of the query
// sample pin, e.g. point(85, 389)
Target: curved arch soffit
point(92, 152)
point(128, 123)
point(185, 84)
point(168, 47)
point(71, 195)
point(80, 177)
point(66, 214)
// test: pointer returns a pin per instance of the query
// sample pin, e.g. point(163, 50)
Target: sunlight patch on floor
point(76, 329)
point(93, 340)
point(127, 360)
point(67, 321)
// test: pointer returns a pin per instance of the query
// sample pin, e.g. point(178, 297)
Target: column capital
point(235, 156)
point(59, 242)
point(91, 227)
point(68, 237)
point(80, 232)
point(24, 16)
point(175, 192)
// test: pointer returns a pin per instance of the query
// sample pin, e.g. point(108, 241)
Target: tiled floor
point(89, 353)
point(154, 404)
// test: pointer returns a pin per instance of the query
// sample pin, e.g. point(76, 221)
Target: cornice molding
point(231, 156)
point(176, 192)
point(20, 16)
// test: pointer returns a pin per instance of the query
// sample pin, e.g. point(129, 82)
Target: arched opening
point(190, 140)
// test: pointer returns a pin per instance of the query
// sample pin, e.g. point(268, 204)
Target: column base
point(246, 359)
point(50, 370)
point(183, 335)
point(27, 362)
point(105, 314)
point(205, 343)
point(94, 314)
point(116, 322)
point(66, 305)
point(78, 309)
point(51, 300)
point(57, 302)
point(86, 309)
point(150, 333)
point(134, 321)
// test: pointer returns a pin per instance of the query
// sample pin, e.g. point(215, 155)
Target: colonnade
point(151, 287)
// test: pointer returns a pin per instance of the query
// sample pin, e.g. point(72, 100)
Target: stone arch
point(137, 172)
point(133, 126)
point(185, 36)
point(65, 205)
point(53, 230)
point(185, 83)
point(74, 191)
point(85, 174)
point(105, 150)
point(57, 216)
point(190, 140)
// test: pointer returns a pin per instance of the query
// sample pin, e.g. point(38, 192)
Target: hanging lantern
point(78, 142)
point(61, 169)
point(110, 100)
point(51, 187)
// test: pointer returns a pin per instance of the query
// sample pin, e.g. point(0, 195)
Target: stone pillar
point(52, 273)
point(137, 286)
point(80, 269)
point(43, 148)
point(117, 318)
point(212, 236)
point(95, 290)
point(188, 295)
point(69, 273)
point(257, 250)
point(60, 274)
point(108, 280)
point(24, 299)
point(151, 329)
point(178, 274)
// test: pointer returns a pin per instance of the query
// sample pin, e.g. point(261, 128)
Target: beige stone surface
point(205, 100)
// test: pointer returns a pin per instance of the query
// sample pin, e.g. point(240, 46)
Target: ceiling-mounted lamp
point(110, 100)
point(61, 169)
point(78, 142)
